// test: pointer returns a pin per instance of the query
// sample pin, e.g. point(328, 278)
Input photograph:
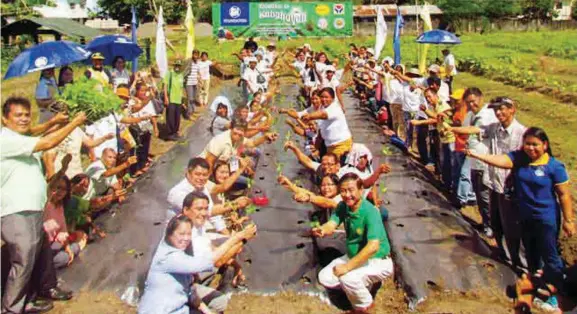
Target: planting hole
point(261, 178)
point(248, 261)
point(400, 225)
point(300, 245)
point(157, 223)
point(444, 214)
point(300, 222)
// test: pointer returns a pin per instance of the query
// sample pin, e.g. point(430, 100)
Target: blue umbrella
point(52, 54)
point(438, 37)
point(111, 46)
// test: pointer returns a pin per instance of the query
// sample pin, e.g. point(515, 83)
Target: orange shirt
point(458, 120)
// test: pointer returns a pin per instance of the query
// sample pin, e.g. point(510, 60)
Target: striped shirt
point(192, 78)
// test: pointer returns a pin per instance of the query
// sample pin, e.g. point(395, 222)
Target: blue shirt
point(169, 280)
point(534, 184)
point(43, 88)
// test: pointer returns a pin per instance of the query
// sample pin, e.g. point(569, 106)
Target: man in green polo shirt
point(173, 92)
point(367, 260)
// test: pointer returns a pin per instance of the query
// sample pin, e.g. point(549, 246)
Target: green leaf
point(386, 151)
point(250, 209)
point(314, 224)
point(383, 189)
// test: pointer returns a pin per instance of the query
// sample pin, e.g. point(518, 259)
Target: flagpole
point(417, 18)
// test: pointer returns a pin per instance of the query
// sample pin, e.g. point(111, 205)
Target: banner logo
point(339, 9)
point(235, 14)
point(322, 9)
point(339, 23)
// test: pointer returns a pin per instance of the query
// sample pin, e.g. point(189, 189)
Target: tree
point(538, 9)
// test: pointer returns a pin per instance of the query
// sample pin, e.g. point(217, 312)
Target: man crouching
point(367, 260)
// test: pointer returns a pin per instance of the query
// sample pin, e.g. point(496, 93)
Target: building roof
point(390, 10)
point(64, 9)
point(63, 26)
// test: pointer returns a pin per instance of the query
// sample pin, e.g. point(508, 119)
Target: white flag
point(381, 32)
point(161, 59)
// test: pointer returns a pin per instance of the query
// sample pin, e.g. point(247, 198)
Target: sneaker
point(488, 232)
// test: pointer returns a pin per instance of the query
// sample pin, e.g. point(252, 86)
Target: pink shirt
point(56, 213)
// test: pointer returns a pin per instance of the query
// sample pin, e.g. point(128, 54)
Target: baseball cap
point(330, 68)
point(389, 60)
point(252, 59)
point(458, 94)
point(371, 51)
point(501, 101)
point(413, 71)
point(122, 92)
point(434, 68)
point(97, 56)
point(271, 44)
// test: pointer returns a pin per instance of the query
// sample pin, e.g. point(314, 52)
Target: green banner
point(246, 19)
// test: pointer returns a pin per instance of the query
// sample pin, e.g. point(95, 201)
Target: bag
point(260, 78)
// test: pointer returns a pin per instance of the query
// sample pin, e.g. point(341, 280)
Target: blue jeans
point(384, 213)
point(447, 166)
point(462, 177)
point(407, 117)
point(540, 242)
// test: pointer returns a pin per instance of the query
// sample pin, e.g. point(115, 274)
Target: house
point(563, 10)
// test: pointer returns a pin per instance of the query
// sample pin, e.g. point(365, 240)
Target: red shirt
point(458, 120)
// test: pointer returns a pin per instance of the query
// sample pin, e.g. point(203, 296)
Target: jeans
point(191, 91)
point(447, 169)
point(506, 224)
point(409, 128)
point(540, 242)
point(482, 193)
point(384, 213)
point(462, 177)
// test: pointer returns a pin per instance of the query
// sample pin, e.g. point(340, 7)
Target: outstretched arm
point(499, 161)
point(302, 158)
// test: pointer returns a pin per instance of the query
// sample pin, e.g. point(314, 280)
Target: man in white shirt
point(23, 196)
point(476, 124)
point(227, 145)
point(434, 81)
point(196, 180)
point(103, 171)
point(255, 81)
point(502, 138)
point(204, 70)
point(450, 68)
point(333, 125)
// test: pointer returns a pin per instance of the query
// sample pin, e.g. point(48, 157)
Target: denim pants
point(462, 177)
point(482, 193)
point(409, 128)
point(540, 242)
point(447, 167)
point(429, 151)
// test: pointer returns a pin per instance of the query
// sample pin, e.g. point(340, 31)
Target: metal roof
point(63, 26)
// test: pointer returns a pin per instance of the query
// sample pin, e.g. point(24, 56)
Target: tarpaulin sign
point(247, 19)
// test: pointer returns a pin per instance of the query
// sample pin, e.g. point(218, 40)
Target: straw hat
point(97, 56)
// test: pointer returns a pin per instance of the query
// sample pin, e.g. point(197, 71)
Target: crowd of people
point(479, 151)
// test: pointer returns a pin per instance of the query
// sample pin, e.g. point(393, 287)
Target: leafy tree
point(538, 9)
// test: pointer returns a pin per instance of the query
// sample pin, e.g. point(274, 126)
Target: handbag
point(260, 78)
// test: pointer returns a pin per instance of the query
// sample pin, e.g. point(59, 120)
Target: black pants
point(141, 151)
point(172, 119)
point(449, 81)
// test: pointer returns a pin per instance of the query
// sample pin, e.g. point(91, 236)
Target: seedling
point(386, 151)
point(250, 209)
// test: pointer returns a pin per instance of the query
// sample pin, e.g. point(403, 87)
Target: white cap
point(434, 68)
point(389, 60)
point(307, 46)
point(271, 43)
point(252, 59)
point(330, 68)
point(371, 51)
